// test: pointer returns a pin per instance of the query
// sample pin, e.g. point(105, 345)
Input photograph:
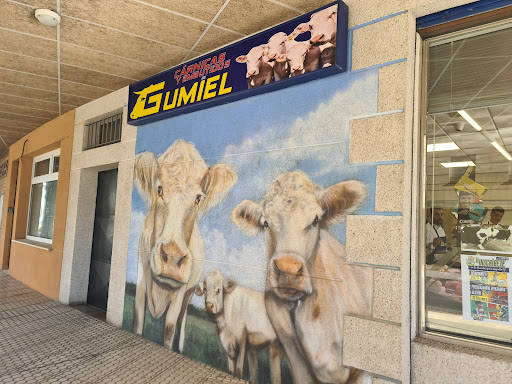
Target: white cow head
point(214, 287)
point(291, 215)
point(277, 46)
point(254, 59)
point(322, 25)
point(296, 57)
point(179, 188)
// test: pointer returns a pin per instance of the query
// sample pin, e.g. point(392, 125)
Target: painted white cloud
point(319, 138)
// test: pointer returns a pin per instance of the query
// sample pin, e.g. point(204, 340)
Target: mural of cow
point(309, 285)
point(179, 188)
point(242, 324)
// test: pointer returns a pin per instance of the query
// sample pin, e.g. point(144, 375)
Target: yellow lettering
point(139, 109)
point(168, 106)
point(185, 97)
point(210, 86)
point(222, 89)
point(200, 93)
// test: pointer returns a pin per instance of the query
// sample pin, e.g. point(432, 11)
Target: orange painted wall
point(38, 268)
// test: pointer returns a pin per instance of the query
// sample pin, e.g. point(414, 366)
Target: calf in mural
point(179, 188)
point(242, 323)
point(309, 285)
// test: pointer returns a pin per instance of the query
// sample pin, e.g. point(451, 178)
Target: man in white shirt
point(435, 237)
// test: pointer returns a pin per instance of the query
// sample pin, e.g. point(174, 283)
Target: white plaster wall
point(85, 166)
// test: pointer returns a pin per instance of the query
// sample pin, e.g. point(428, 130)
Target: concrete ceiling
point(108, 44)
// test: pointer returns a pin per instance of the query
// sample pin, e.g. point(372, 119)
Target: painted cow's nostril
point(164, 255)
point(182, 260)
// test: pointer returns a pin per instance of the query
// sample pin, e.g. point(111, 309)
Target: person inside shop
point(495, 218)
point(435, 237)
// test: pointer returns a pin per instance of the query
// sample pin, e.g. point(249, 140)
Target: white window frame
point(51, 176)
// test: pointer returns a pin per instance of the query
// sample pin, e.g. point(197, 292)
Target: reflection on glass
point(42, 209)
point(468, 242)
point(42, 168)
point(56, 161)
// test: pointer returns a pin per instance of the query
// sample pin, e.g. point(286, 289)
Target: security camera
point(459, 126)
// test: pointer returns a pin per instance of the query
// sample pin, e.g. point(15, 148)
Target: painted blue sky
point(305, 127)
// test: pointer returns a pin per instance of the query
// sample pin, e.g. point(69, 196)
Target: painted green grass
point(201, 340)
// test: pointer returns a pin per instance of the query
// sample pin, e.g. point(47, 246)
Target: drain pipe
point(14, 203)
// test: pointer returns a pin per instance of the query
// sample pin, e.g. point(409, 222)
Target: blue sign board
point(308, 47)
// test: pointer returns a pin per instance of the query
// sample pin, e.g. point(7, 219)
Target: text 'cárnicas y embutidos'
point(150, 98)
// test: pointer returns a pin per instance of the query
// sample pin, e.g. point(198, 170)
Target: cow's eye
point(315, 222)
point(160, 191)
point(218, 290)
point(265, 224)
point(198, 199)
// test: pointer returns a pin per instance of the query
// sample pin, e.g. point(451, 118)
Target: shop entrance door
point(102, 240)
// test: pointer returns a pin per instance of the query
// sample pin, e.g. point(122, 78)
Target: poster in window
point(486, 282)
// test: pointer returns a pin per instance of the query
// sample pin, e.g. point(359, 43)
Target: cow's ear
point(341, 199)
point(241, 59)
point(301, 28)
point(216, 184)
point(247, 216)
point(200, 288)
point(145, 173)
point(229, 285)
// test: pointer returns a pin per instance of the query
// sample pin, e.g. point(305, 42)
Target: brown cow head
point(214, 287)
point(179, 188)
point(292, 214)
point(254, 59)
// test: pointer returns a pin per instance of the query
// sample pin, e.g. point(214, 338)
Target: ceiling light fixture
point(458, 164)
point(468, 118)
point(442, 147)
point(47, 17)
point(501, 150)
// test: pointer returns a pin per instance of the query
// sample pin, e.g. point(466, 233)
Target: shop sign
point(306, 48)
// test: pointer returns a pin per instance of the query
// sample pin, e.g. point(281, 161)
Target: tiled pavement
point(43, 341)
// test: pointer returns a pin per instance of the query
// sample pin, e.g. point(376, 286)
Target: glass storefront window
point(43, 196)
point(467, 259)
point(42, 210)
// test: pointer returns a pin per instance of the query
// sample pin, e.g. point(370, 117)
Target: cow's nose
point(251, 73)
point(272, 57)
point(316, 39)
point(289, 265)
point(297, 68)
point(172, 252)
point(209, 307)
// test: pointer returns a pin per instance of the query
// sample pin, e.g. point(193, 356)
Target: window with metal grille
point(104, 132)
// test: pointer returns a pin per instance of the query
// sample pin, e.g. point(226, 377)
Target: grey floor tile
point(43, 341)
